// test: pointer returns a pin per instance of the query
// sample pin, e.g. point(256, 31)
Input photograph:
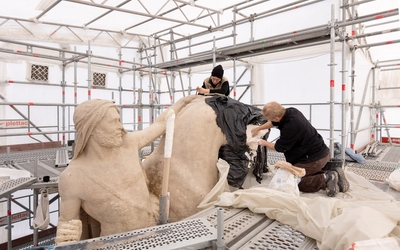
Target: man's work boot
point(332, 183)
point(343, 183)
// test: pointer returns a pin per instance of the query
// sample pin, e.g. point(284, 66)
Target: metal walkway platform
point(188, 234)
point(242, 230)
point(8, 187)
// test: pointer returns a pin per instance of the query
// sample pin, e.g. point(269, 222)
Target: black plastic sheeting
point(233, 118)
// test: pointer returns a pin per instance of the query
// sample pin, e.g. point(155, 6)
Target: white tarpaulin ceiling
point(78, 21)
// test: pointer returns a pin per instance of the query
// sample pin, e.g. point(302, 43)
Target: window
point(38, 73)
point(99, 79)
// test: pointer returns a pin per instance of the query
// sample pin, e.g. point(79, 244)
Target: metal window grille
point(99, 79)
point(39, 72)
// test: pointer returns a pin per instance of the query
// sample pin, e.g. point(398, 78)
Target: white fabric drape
point(364, 212)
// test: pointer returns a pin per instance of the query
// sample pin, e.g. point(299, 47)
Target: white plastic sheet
point(394, 179)
point(364, 212)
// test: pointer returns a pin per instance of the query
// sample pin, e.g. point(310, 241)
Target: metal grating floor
point(390, 154)
point(244, 229)
point(188, 234)
point(373, 170)
point(10, 186)
point(279, 236)
point(29, 155)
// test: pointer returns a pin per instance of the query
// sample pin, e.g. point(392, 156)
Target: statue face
point(108, 133)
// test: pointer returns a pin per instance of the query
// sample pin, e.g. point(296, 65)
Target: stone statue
point(105, 177)
point(193, 171)
point(109, 182)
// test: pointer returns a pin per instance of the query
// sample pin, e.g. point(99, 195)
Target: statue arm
point(147, 135)
point(69, 226)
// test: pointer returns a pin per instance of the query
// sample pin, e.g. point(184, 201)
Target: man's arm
point(266, 125)
point(267, 144)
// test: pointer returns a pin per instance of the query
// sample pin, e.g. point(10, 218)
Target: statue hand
point(69, 232)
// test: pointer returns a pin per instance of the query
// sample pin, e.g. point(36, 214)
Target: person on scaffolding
point(215, 84)
point(302, 147)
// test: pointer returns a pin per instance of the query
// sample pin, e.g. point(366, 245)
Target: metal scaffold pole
point(352, 93)
point(344, 77)
point(332, 81)
point(75, 78)
point(134, 95)
point(234, 79)
point(90, 80)
point(120, 78)
point(63, 84)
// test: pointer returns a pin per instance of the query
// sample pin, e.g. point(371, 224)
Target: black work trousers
point(314, 180)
